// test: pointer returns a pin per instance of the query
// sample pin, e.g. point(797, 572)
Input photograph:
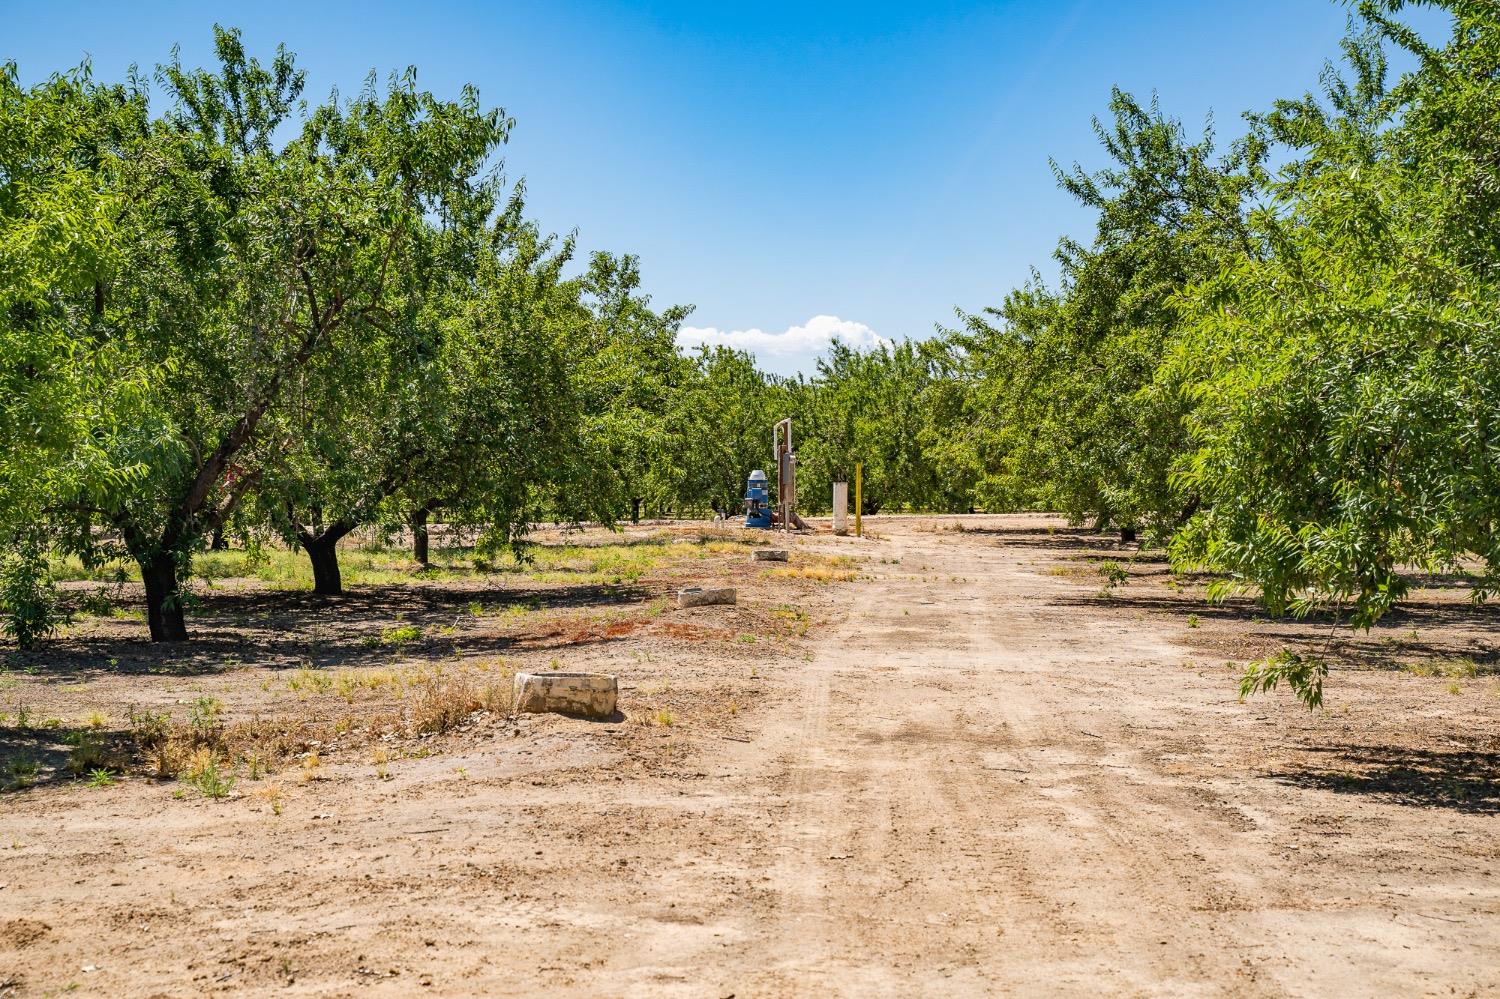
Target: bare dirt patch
point(964, 771)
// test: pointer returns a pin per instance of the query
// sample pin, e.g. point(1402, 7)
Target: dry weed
point(273, 797)
point(440, 698)
point(381, 757)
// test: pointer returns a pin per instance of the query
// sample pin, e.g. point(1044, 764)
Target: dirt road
point(979, 780)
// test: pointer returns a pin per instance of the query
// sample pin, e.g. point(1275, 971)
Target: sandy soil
point(974, 775)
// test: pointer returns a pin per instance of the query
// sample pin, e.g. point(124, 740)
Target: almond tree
point(57, 240)
point(244, 261)
point(465, 404)
point(1076, 417)
point(1348, 385)
point(628, 370)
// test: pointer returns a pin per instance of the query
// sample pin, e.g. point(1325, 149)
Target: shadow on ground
point(1465, 781)
point(1432, 632)
point(291, 629)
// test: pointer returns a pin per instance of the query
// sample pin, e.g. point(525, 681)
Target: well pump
point(759, 511)
point(757, 501)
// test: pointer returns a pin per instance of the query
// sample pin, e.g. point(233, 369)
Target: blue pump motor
point(757, 501)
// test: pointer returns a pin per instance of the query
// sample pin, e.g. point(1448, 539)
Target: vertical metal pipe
point(859, 499)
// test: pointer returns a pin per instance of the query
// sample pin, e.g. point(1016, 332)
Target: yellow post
point(859, 528)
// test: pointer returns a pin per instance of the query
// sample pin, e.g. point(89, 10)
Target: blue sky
point(794, 170)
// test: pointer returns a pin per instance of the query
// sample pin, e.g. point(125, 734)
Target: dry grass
point(792, 619)
point(273, 797)
point(739, 536)
point(206, 772)
point(553, 558)
point(423, 686)
point(817, 568)
point(90, 753)
point(209, 755)
point(938, 527)
point(1452, 669)
point(814, 573)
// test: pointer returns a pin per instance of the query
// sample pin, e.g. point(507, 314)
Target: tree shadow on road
point(1460, 780)
point(1073, 539)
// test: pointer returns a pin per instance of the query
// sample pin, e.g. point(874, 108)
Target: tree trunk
point(323, 551)
point(163, 600)
point(635, 510)
point(419, 536)
point(217, 543)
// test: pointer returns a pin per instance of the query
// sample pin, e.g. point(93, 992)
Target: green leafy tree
point(1348, 383)
point(368, 415)
point(883, 408)
point(241, 262)
point(627, 370)
point(1076, 416)
point(719, 429)
point(58, 244)
point(504, 443)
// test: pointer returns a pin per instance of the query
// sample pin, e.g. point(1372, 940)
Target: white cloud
point(808, 338)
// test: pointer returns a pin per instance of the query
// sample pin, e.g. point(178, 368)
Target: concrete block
point(698, 596)
point(770, 555)
point(592, 695)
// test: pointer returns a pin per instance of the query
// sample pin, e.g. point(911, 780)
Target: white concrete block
point(698, 596)
point(592, 695)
